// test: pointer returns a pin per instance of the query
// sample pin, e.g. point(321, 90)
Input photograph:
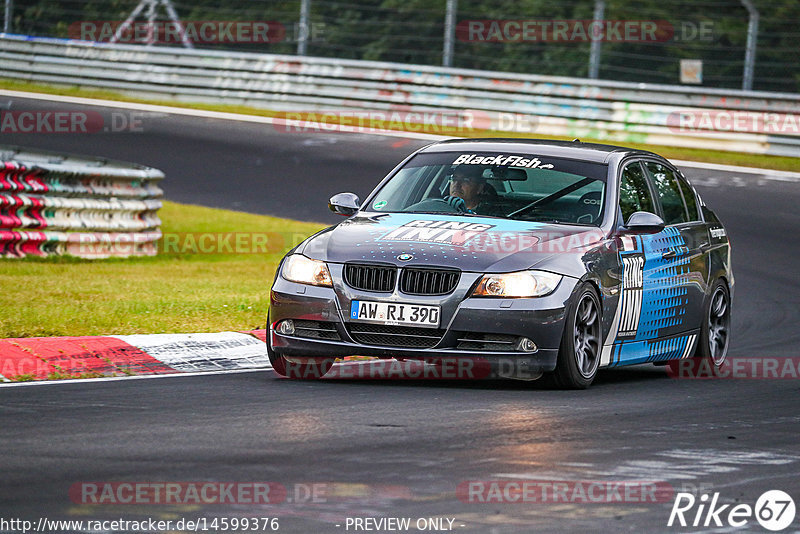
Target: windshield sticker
point(502, 160)
point(442, 232)
point(379, 204)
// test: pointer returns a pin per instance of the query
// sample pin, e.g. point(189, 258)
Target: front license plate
point(394, 313)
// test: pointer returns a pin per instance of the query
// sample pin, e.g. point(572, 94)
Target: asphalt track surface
point(393, 448)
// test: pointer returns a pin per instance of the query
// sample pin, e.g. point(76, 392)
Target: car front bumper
point(463, 319)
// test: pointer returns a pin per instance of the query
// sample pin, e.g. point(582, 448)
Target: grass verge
point(197, 284)
point(691, 154)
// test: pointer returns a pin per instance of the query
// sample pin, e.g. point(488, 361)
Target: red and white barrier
point(50, 358)
point(57, 204)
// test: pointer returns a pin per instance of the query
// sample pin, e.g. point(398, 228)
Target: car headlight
point(519, 284)
point(298, 268)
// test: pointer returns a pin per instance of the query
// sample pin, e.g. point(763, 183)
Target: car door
point(684, 251)
point(651, 316)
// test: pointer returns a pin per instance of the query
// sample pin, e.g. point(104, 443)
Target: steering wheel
point(433, 204)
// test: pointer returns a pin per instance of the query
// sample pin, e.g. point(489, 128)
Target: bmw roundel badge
point(405, 257)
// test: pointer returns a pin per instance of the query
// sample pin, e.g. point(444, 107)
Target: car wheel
point(278, 362)
point(312, 370)
point(715, 332)
point(579, 354)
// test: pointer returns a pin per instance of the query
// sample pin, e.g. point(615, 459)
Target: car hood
point(468, 243)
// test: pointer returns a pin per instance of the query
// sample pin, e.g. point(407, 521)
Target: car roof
point(592, 152)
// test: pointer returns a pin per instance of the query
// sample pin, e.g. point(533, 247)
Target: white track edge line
point(192, 112)
point(770, 174)
point(788, 176)
point(135, 377)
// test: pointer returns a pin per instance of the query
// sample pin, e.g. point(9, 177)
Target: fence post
point(594, 51)
point(449, 32)
point(303, 28)
point(7, 19)
point(752, 41)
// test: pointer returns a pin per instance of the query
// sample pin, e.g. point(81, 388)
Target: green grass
point(691, 154)
point(177, 291)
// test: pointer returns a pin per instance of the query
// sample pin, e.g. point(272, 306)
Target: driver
point(468, 188)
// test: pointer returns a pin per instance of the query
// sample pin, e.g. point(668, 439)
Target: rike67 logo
point(774, 510)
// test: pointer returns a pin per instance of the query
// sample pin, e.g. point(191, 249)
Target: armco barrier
point(92, 208)
point(754, 122)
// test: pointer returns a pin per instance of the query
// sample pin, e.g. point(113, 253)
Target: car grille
point(488, 342)
point(415, 281)
point(378, 278)
point(395, 336)
point(316, 330)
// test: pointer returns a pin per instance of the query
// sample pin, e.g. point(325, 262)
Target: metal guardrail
point(746, 121)
point(91, 208)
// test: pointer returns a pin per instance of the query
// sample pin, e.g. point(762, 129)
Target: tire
point(278, 362)
point(581, 343)
point(315, 369)
point(715, 331)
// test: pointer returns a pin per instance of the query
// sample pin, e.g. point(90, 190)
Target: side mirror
point(645, 222)
point(345, 204)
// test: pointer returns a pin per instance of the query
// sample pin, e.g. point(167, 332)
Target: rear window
point(689, 197)
point(669, 193)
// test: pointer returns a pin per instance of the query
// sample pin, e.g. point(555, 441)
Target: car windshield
point(506, 185)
